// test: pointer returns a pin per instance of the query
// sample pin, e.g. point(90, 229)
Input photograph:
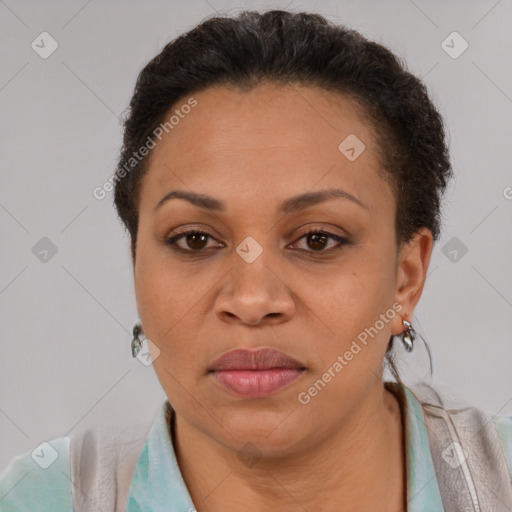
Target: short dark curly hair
point(296, 48)
point(282, 47)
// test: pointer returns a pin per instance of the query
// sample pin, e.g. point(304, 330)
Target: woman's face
point(262, 169)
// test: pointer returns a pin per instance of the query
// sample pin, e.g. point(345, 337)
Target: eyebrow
point(291, 205)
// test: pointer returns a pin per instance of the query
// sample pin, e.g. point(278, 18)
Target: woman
point(280, 179)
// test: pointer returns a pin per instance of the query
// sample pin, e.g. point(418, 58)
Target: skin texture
point(252, 150)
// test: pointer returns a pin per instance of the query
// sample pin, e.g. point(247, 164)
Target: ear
point(412, 265)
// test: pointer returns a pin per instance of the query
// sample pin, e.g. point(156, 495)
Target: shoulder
point(474, 419)
point(503, 425)
point(39, 480)
point(102, 460)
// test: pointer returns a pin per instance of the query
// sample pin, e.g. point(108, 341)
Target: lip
point(260, 359)
point(255, 373)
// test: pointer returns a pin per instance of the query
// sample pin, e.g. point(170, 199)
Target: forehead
point(270, 137)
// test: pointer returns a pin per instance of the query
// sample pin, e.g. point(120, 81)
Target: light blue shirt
point(157, 484)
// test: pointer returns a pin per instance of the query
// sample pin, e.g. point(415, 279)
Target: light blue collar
point(423, 494)
point(158, 486)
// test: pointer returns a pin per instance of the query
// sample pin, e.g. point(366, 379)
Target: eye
point(318, 240)
point(194, 241)
point(197, 241)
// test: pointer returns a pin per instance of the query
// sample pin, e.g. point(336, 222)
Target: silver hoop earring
point(136, 342)
point(408, 336)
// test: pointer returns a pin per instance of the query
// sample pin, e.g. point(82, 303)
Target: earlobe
point(413, 261)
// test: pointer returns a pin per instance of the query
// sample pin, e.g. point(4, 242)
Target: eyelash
point(172, 241)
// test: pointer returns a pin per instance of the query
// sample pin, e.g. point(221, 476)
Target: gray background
point(66, 321)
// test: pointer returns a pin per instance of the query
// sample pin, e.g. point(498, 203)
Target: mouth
point(255, 373)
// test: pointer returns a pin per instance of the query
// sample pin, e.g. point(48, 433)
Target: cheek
point(163, 292)
point(172, 302)
point(165, 303)
point(356, 309)
point(356, 294)
point(168, 303)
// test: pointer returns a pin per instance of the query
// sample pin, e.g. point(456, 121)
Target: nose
point(254, 294)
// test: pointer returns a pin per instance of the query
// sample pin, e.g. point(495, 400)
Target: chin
point(274, 432)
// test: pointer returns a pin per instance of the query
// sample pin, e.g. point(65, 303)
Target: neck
point(361, 466)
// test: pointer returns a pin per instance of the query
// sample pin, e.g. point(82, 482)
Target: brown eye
point(317, 241)
point(196, 240)
point(190, 241)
